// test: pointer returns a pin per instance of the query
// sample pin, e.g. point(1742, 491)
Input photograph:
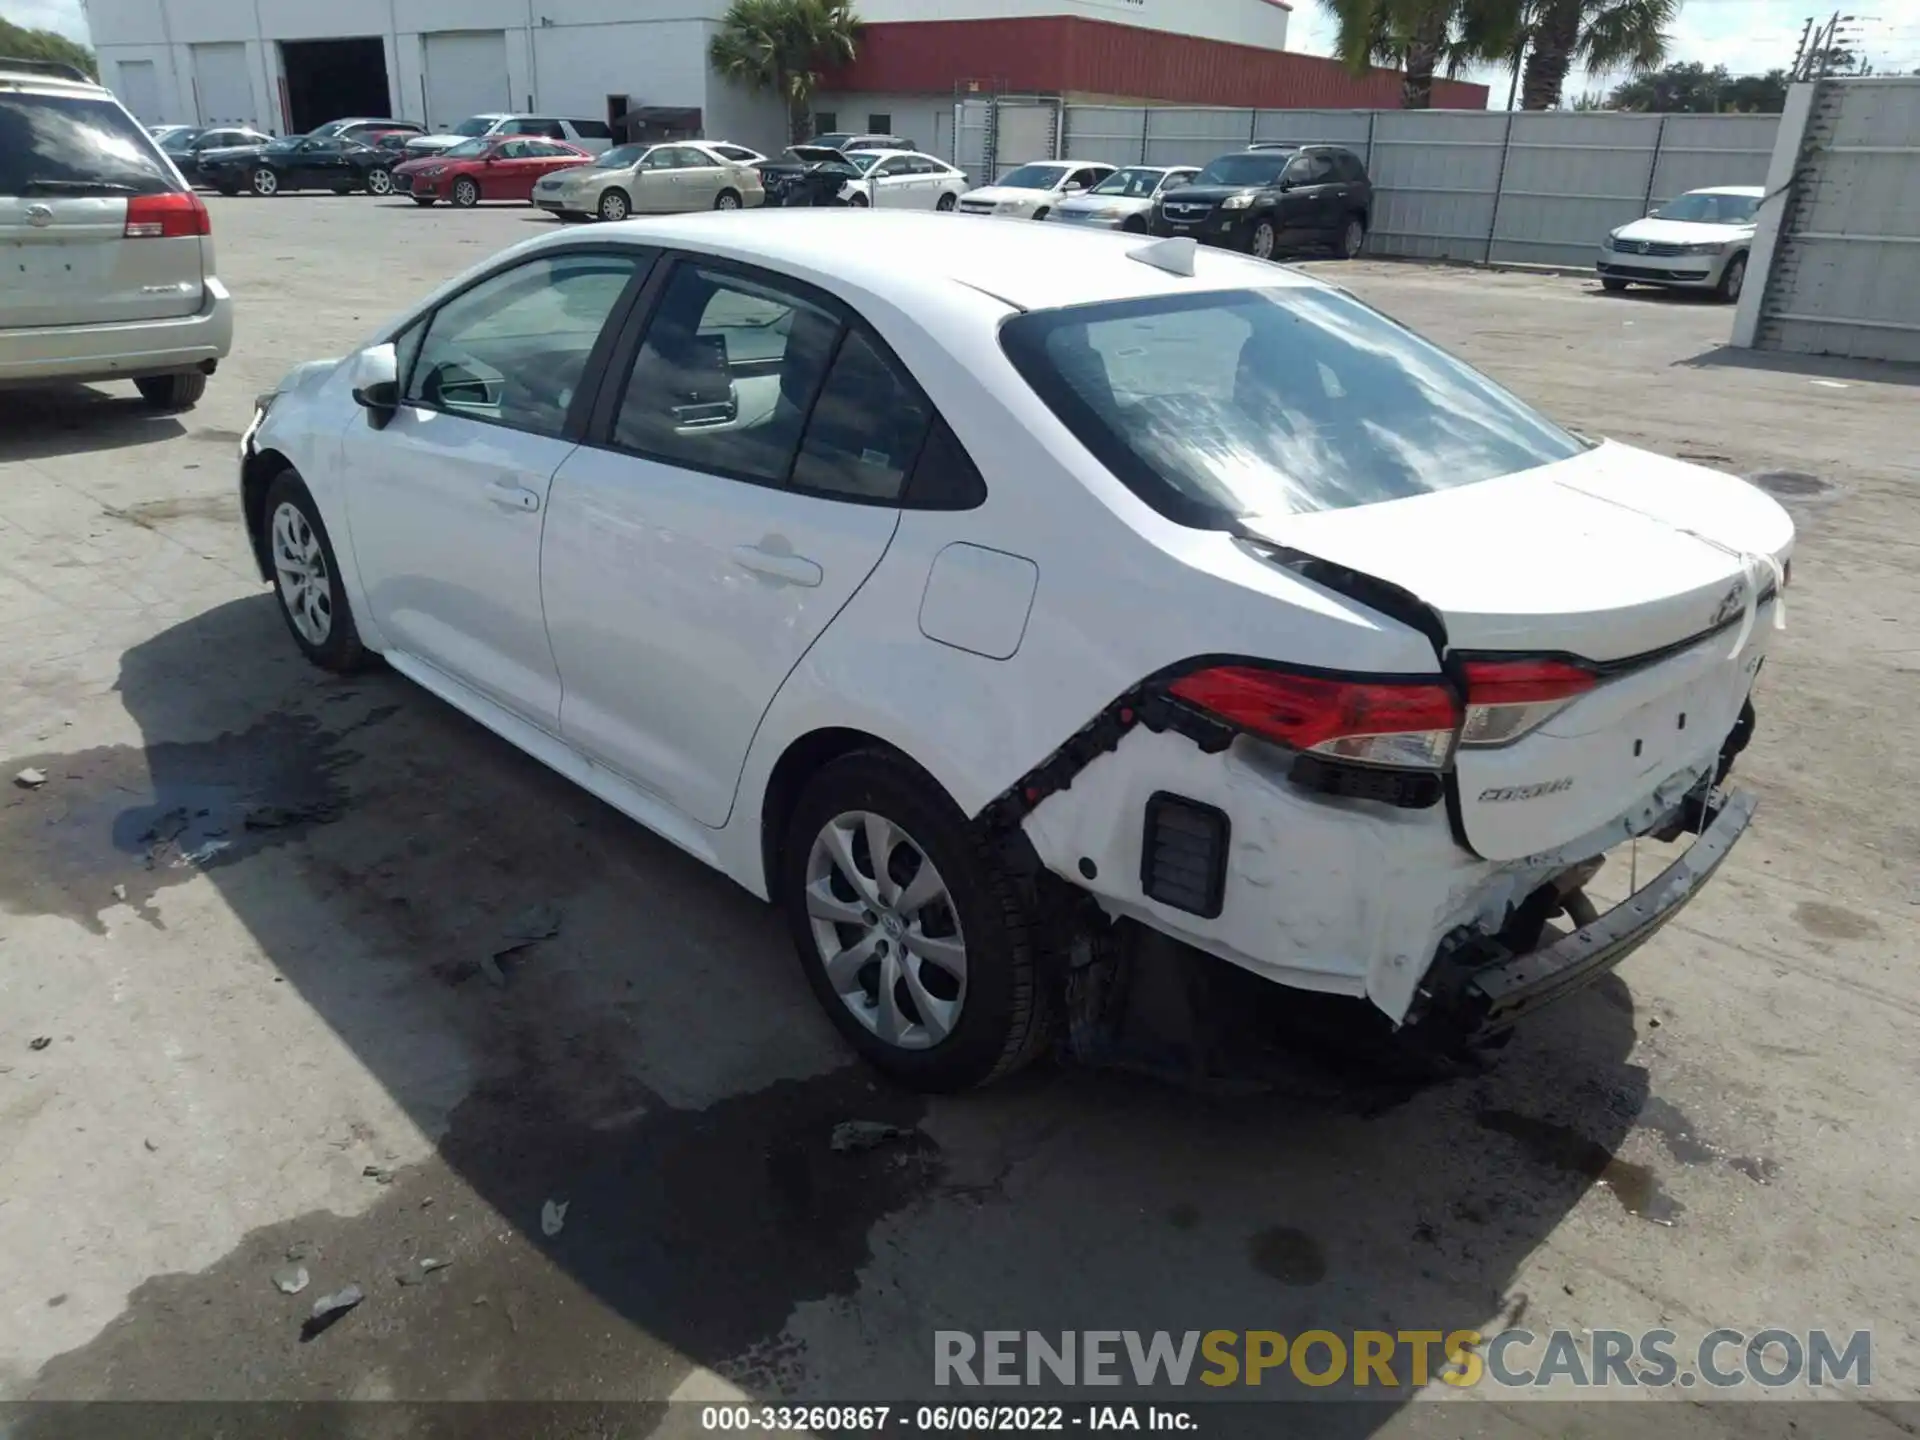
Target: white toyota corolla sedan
point(980, 593)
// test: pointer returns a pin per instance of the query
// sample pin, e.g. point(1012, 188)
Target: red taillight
point(167, 216)
point(1380, 722)
point(1507, 698)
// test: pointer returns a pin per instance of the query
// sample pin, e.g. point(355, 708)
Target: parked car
point(738, 154)
point(650, 180)
point(491, 168)
point(163, 133)
point(1697, 241)
point(853, 140)
point(808, 175)
point(1031, 191)
point(109, 255)
point(593, 136)
point(1124, 200)
point(366, 131)
point(188, 143)
point(742, 527)
point(1274, 198)
point(299, 162)
point(902, 180)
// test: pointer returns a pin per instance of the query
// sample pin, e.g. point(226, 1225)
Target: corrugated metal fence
point(1526, 187)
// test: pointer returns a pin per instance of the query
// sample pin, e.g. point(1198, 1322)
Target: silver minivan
point(106, 254)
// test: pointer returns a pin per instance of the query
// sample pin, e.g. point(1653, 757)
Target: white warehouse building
point(289, 65)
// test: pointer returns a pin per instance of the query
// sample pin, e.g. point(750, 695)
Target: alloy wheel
point(886, 930)
point(465, 193)
point(613, 206)
point(1262, 246)
point(379, 182)
point(728, 201)
point(1736, 277)
point(265, 182)
point(1352, 239)
point(300, 571)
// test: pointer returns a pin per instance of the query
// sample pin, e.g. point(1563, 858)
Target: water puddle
point(1561, 1147)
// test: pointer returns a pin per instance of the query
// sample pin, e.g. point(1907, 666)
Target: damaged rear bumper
point(1476, 989)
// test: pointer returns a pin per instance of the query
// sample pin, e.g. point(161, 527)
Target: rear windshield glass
point(1266, 402)
point(75, 145)
point(1261, 167)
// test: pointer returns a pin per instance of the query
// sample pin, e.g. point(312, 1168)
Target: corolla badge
point(1731, 604)
point(39, 216)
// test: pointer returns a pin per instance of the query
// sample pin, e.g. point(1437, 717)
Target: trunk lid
point(1645, 568)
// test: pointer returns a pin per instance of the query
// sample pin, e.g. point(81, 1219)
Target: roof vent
point(1175, 256)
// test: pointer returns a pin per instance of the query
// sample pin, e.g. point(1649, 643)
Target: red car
point(500, 167)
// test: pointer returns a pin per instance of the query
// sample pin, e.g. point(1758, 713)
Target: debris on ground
point(30, 778)
point(39, 1042)
point(152, 1149)
point(300, 1250)
point(536, 922)
point(490, 968)
point(418, 1277)
point(553, 1216)
point(428, 1264)
point(328, 1309)
point(119, 892)
point(380, 1174)
point(864, 1134)
point(291, 1279)
point(278, 817)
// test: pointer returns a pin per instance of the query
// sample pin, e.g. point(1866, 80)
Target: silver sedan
point(651, 180)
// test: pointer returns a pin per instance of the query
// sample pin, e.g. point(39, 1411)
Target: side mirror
point(376, 384)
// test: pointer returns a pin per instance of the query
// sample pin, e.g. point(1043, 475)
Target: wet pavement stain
point(1832, 922)
point(1290, 1256)
point(120, 823)
point(1756, 1168)
point(1676, 1131)
point(149, 513)
point(1793, 485)
point(1561, 1147)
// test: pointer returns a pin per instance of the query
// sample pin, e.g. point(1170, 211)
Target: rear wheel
point(727, 200)
point(172, 392)
point(1612, 284)
point(306, 578)
point(613, 206)
point(913, 937)
point(264, 182)
point(466, 194)
point(380, 181)
point(1260, 244)
point(1733, 279)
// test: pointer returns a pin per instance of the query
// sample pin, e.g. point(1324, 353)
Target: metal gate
point(222, 83)
point(465, 73)
point(994, 134)
point(1835, 268)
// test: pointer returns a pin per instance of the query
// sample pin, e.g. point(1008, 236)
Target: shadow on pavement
point(40, 424)
point(636, 1170)
point(1825, 367)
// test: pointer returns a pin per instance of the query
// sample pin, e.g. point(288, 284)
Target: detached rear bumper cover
point(1491, 997)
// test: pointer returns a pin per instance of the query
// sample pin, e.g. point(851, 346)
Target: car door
point(893, 186)
point(446, 502)
point(511, 173)
point(698, 178)
point(655, 190)
point(1297, 207)
point(740, 483)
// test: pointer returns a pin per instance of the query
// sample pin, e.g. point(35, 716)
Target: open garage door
point(466, 74)
point(333, 79)
point(222, 86)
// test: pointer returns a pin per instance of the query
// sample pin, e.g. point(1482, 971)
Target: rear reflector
point(167, 216)
point(1380, 722)
point(1508, 698)
point(1183, 854)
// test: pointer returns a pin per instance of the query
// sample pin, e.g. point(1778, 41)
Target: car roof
point(1754, 191)
point(47, 75)
point(896, 256)
point(888, 154)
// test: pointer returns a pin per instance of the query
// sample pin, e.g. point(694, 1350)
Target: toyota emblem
point(39, 216)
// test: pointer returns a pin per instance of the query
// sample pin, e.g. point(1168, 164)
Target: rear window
point(1259, 167)
point(75, 145)
point(592, 129)
point(1264, 402)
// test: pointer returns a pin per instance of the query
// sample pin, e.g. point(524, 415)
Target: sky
point(1747, 36)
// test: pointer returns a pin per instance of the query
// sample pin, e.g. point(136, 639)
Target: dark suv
point(1274, 198)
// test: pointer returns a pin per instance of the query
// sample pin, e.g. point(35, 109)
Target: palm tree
point(781, 46)
point(1421, 37)
point(1599, 35)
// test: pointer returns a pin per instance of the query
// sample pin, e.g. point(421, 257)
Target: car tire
point(228, 189)
point(614, 206)
point(264, 183)
point(948, 203)
point(180, 391)
point(306, 578)
point(1733, 279)
point(423, 201)
point(1353, 236)
point(465, 194)
point(379, 181)
point(1133, 225)
point(1043, 212)
point(727, 200)
point(1262, 240)
point(998, 1019)
point(1612, 284)
point(859, 202)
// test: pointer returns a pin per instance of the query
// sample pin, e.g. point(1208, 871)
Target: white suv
point(593, 136)
point(109, 255)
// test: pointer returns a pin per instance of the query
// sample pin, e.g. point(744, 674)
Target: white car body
point(678, 643)
point(517, 123)
point(1127, 209)
point(1683, 254)
point(903, 180)
point(1056, 181)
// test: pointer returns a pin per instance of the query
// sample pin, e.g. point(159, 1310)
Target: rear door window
point(53, 145)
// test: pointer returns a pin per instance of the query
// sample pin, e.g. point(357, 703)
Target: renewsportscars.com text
point(1392, 1359)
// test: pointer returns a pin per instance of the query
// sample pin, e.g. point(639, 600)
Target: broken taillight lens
point(1508, 698)
point(1406, 724)
point(167, 216)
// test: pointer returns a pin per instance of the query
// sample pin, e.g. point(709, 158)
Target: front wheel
point(859, 202)
point(613, 206)
point(264, 182)
point(1261, 243)
point(1042, 212)
point(1353, 237)
point(379, 181)
point(912, 935)
point(947, 202)
point(306, 578)
point(466, 194)
point(172, 392)
point(1733, 279)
